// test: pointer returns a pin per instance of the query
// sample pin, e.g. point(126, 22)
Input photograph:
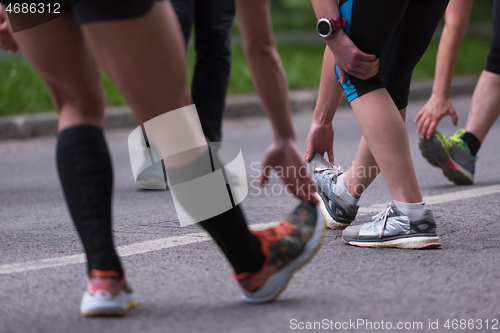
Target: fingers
point(454, 117)
point(330, 156)
point(304, 191)
point(342, 75)
point(430, 130)
point(364, 73)
point(425, 127)
point(308, 153)
point(368, 66)
point(362, 68)
point(420, 123)
point(418, 116)
point(6, 41)
point(365, 56)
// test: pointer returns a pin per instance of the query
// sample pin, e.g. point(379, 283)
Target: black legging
point(212, 20)
point(398, 32)
point(493, 63)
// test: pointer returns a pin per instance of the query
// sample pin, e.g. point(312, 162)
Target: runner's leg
point(83, 160)
point(159, 45)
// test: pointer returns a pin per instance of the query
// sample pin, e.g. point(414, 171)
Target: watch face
point(323, 28)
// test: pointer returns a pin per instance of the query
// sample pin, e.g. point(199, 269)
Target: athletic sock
point(240, 246)
point(86, 175)
point(341, 190)
point(472, 141)
point(412, 210)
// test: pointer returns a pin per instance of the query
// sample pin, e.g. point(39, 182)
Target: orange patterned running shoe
point(286, 248)
point(107, 295)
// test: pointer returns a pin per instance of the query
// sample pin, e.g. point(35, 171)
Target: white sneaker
point(107, 295)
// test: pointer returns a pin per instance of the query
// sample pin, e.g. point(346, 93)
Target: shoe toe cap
point(351, 231)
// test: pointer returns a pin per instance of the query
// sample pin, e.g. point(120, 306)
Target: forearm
point(330, 91)
point(265, 65)
point(449, 47)
point(271, 85)
point(457, 18)
point(330, 10)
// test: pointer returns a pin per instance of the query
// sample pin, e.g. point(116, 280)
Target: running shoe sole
point(403, 242)
point(435, 152)
point(328, 215)
point(278, 282)
point(106, 307)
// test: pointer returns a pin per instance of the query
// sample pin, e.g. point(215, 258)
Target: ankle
point(412, 210)
point(345, 193)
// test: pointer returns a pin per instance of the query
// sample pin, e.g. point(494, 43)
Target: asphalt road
point(189, 288)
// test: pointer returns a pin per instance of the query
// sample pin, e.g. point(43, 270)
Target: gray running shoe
point(452, 155)
point(336, 212)
point(390, 228)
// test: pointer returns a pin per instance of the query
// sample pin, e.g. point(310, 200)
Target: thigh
point(493, 64)
point(57, 52)
point(407, 46)
point(370, 25)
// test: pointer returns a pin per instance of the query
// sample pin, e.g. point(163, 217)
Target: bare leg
point(57, 52)
point(484, 109)
point(364, 170)
point(399, 172)
point(145, 58)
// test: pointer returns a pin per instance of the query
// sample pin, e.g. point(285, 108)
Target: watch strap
point(339, 23)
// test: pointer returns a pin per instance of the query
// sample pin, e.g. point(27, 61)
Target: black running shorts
point(398, 32)
point(87, 11)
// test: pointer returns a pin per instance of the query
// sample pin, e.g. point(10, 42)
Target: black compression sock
point(472, 141)
point(86, 175)
point(241, 247)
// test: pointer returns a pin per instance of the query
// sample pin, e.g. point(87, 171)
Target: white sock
point(412, 210)
point(343, 193)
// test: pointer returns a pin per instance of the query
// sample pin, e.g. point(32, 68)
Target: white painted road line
point(123, 251)
point(165, 243)
point(441, 198)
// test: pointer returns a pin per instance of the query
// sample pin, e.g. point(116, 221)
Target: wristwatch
point(326, 27)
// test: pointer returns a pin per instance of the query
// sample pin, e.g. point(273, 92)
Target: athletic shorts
point(398, 32)
point(493, 62)
point(88, 11)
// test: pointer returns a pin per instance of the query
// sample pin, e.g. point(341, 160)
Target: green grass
point(482, 11)
point(299, 14)
point(21, 91)
point(471, 59)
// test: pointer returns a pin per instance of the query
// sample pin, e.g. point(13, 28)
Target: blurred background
point(300, 48)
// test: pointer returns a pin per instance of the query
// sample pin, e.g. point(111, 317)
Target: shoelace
point(383, 215)
point(333, 172)
point(457, 139)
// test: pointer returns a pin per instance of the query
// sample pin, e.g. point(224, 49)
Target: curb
point(45, 124)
